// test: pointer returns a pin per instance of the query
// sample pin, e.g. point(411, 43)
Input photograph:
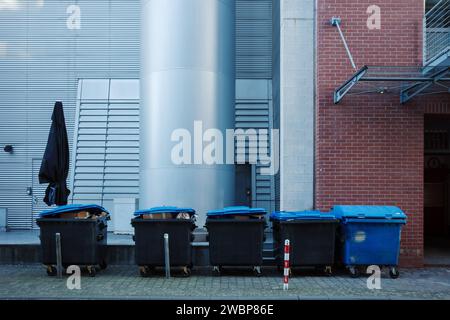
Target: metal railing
point(436, 24)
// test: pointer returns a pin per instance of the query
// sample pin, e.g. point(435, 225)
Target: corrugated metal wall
point(41, 61)
point(254, 39)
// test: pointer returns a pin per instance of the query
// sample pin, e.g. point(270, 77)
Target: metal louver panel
point(256, 115)
point(106, 142)
point(254, 39)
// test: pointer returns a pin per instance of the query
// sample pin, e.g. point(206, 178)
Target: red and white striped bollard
point(286, 265)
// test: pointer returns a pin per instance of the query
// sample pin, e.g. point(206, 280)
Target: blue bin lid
point(301, 215)
point(93, 208)
point(164, 209)
point(238, 210)
point(369, 212)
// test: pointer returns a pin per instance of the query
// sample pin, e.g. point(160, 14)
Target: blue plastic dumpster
point(312, 236)
point(370, 235)
point(236, 236)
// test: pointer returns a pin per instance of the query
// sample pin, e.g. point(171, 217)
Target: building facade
point(368, 149)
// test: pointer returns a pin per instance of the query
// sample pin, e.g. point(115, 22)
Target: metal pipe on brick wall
point(187, 75)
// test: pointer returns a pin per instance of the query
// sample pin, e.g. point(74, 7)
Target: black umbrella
point(55, 164)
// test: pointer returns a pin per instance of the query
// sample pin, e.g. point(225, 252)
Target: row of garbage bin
point(354, 236)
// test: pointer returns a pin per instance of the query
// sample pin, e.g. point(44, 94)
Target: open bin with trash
point(236, 237)
point(312, 236)
point(150, 225)
point(82, 232)
point(370, 235)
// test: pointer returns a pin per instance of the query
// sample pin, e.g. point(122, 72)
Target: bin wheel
point(217, 271)
point(145, 271)
point(354, 272)
point(186, 272)
point(328, 271)
point(103, 265)
point(91, 271)
point(257, 271)
point(51, 271)
point(394, 273)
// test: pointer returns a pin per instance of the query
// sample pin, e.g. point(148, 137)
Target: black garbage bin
point(83, 230)
point(312, 236)
point(149, 228)
point(236, 236)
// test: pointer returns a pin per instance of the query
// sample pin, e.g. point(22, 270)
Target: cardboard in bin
point(76, 211)
point(159, 216)
point(238, 213)
point(75, 215)
point(165, 212)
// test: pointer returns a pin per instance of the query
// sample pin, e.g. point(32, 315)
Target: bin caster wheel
point(328, 271)
point(354, 272)
point(51, 271)
point(103, 265)
point(186, 272)
point(217, 271)
point(393, 273)
point(91, 271)
point(146, 271)
point(257, 271)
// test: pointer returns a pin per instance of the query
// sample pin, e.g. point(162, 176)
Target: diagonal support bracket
point(340, 92)
point(418, 87)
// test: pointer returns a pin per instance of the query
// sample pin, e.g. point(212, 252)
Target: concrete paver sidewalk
point(123, 282)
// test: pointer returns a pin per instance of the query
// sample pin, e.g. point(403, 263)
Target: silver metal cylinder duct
point(187, 75)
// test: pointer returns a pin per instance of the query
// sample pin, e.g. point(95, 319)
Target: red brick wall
point(369, 149)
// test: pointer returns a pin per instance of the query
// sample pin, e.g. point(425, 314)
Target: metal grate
point(436, 140)
point(436, 31)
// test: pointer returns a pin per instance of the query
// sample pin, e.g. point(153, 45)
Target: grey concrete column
point(297, 100)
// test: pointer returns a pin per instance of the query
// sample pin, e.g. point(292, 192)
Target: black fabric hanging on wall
point(55, 163)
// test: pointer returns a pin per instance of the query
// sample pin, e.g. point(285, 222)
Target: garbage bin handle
point(101, 225)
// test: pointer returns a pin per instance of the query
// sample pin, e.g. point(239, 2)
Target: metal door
point(37, 193)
